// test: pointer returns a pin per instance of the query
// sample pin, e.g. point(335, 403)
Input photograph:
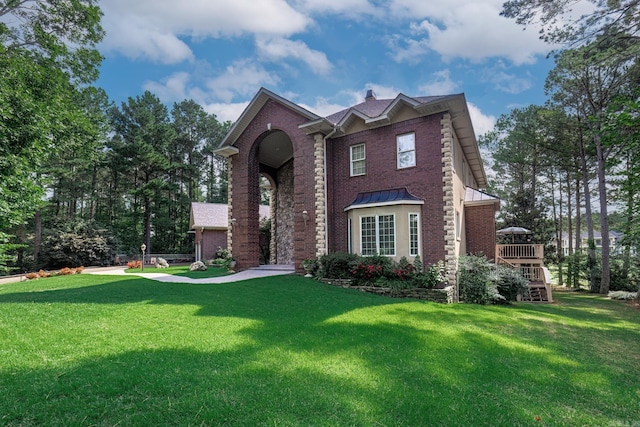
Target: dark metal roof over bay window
point(395, 196)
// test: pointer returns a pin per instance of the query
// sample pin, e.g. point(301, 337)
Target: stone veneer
point(320, 195)
point(284, 215)
point(230, 204)
point(451, 259)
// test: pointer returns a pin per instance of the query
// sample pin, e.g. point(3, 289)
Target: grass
point(283, 351)
point(182, 270)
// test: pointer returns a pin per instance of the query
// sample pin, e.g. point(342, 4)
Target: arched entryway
point(275, 159)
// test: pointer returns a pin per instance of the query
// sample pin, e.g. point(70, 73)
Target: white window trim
point(415, 160)
point(458, 219)
point(351, 160)
point(417, 231)
point(377, 234)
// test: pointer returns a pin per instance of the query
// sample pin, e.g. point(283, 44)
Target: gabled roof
point(374, 113)
point(379, 110)
point(215, 216)
point(394, 196)
point(253, 108)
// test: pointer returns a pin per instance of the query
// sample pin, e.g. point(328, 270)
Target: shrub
point(402, 271)
point(509, 282)
point(418, 266)
point(337, 265)
point(366, 274)
point(431, 277)
point(622, 280)
point(43, 273)
point(31, 276)
point(77, 242)
point(476, 286)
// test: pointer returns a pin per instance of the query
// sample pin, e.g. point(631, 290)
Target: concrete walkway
point(253, 273)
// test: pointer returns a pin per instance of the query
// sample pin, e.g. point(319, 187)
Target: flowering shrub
point(134, 264)
point(402, 273)
point(43, 273)
point(79, 269)
point(367, 273)
point(31, 276)
point(224, 258)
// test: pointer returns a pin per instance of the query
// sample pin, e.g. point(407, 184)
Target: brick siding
point(480, 229)
point(424, 181)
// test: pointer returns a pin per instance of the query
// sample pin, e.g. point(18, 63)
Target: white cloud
point(506, 82)
point(152, 29)
point(462, 29)
point(276, 49)
point(324, 107)
point(482, 123)
point(352, 9)
point(242, 78)
point(440, 84)
point(226, 111)
point(172, 88)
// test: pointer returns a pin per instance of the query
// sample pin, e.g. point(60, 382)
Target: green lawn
point(122, 350)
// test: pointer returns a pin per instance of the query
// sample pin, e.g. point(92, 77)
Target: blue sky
point(321, 54)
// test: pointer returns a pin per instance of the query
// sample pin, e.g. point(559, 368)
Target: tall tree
point(47, 53)
point(587, 81)
point(144, 137)
point(617, 19)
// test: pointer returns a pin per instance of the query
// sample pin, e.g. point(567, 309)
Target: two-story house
point(396, 177)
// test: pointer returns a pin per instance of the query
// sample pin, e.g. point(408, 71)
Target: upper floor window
point(406, 145)
point(358, 160)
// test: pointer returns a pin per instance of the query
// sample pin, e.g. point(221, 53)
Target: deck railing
point(520, 251)
point(533, 274)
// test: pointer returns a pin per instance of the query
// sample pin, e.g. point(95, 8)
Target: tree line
point(573, 163)
point(80, 177)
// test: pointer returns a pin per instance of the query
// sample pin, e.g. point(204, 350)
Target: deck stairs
point(528, 258)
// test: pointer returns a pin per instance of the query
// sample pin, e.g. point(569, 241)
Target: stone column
point(451, 260)
point(320, 195)
point(230, 204)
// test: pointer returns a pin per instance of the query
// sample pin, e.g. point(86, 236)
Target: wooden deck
point(529, 259)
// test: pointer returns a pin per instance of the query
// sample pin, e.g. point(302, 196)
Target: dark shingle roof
point(374, 107)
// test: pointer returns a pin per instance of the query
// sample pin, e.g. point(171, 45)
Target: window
point(378, 235)
point(414, 242)
point(368, 235)
point(358, 160)
point(406, 150)
point(386, 235)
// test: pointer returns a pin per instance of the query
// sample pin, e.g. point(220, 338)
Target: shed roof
point(394, 196)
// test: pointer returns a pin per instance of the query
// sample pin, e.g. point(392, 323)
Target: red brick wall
point(245, 173)
point(423, 181)
point(480, 229)
point(211, 241)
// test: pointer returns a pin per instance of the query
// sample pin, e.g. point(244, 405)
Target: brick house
point(398, 177)
point(209, 223)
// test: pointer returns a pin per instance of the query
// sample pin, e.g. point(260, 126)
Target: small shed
point(209, 223)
